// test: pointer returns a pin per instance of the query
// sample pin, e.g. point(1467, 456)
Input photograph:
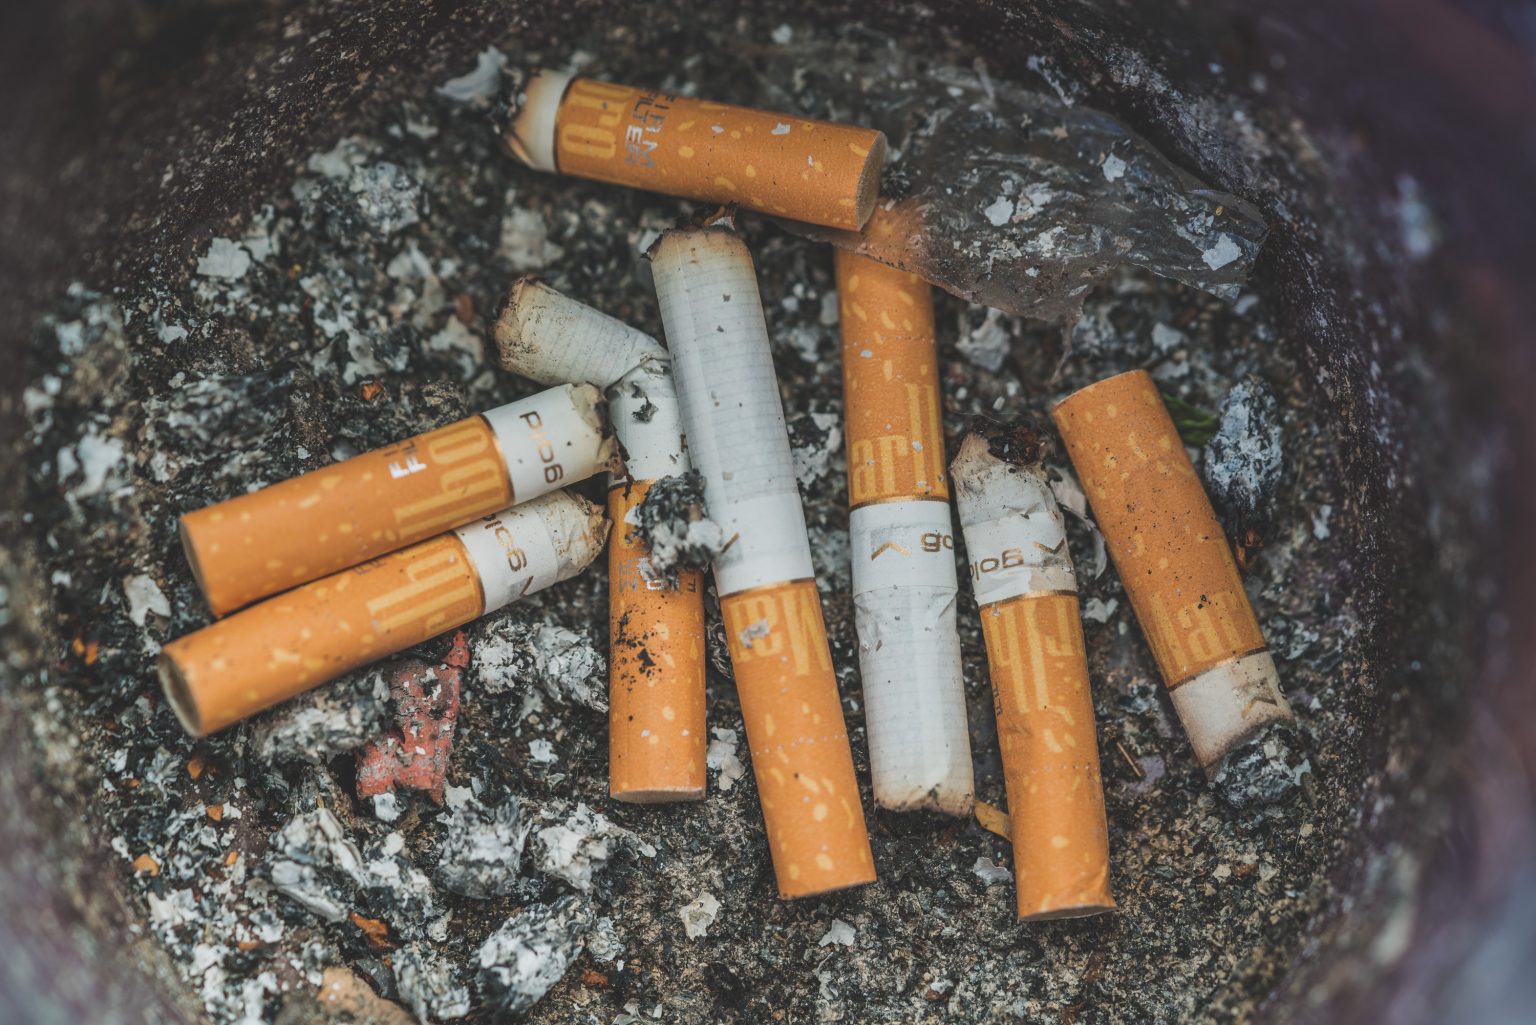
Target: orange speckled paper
point(1045, 731)
point(656, 734)
point(298, 640)
point(890, 383)
point(1158, 524)
point(312, 526)
point(791, 166)
point(800, 753)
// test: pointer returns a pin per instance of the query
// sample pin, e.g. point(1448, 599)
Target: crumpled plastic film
point(1019, 201)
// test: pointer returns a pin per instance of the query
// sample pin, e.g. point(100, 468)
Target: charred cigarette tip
point(509, 324)
point(1018, 442)
point(1264, 768)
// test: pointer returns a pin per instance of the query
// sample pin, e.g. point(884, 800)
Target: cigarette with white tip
point(656, 707)
point(326, 520)
point(1179, 573)
point(1016, 544)
point(713, 315)
point(783, 164)
point(902, 541)
point(289, 644)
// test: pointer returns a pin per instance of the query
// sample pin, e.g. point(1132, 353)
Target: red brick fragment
point(415, 753)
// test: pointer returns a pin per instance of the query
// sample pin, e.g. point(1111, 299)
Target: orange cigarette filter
point(1050, 755)
point(1174, 561)
point(794, 167)
point(779, 653)
point(286, 645)
point(312, 526)
point(1027, 592)
point(656, 729)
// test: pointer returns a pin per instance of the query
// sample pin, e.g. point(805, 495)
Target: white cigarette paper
point(643, 407)
point(550, 338)
point(1015, 535)
point(551, 439)
point(707, 288)
point(904, 590)
point(531, 546)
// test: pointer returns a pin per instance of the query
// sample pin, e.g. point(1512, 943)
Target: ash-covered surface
point(352, 311)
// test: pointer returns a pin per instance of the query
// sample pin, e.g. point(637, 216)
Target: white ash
point(339, 161)
point(1097, 610)
point(532, 951)
point(1167, 339)
point(699, 914)
point(327, 721)
point(144, 596)
point(987, 343)
point(839, 932)
point(565, 665)
point(463, 344)
point(542, 752)
point(525, 239)
point(1000, 212)
point(989, 872)
point(1418, 228)
point(1243, 462)
point(482, 845)
point(225, 259)
point(673, 522)
point(1320, 519)
point(426, 983)
point(386, 806)
point(816, 440)
point(1222, 253)
point(99, 461)
point(479, 85)
point(317, 864)
point(722, 757)
point(387, 198)
point(603, 942)
point(579, 847)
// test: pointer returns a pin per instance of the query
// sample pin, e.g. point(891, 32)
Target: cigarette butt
point(1174, 561)
point(1027, 592)
point(286, 645)
point(902, 542)
point(325, 521)
point(656, 728)
point(795, 167)
point(656, 724)
point(552, 339)
point(776, 636)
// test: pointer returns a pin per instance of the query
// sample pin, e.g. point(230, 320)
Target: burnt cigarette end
point(1265, 768)
point(674, 526)
point(1018, 442)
